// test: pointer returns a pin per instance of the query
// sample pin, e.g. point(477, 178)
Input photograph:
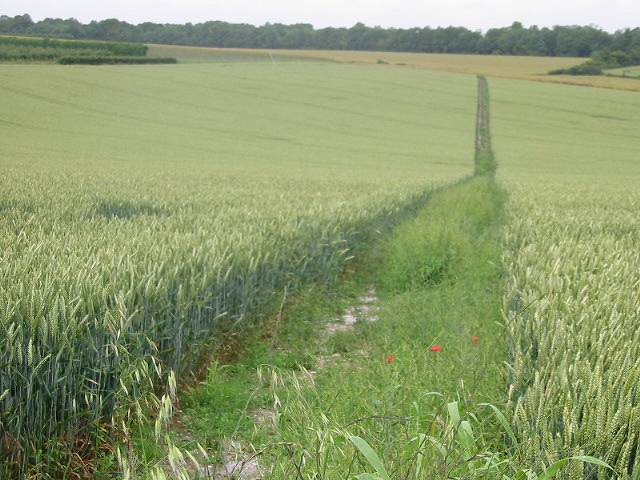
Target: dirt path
point(239, 462)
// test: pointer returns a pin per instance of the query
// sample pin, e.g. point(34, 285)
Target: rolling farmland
point(503, 66)
point(217, 214)
point(508, 66)
point(143, 208)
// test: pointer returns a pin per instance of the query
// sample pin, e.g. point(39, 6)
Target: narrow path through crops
point(411, 319)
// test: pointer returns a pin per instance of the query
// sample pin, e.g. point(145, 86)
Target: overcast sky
point(474, 14)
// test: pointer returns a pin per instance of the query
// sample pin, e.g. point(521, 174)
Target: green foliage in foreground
point(135, 224)
point(569, 159)
point(372, 413)
point(573, 313)
point(392, 405)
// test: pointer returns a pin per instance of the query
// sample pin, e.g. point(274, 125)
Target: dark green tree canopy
point(581, 41)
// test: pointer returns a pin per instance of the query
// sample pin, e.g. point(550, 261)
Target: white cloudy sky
point(474, 14)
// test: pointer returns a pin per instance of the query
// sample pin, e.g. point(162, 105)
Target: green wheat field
point(177, 240)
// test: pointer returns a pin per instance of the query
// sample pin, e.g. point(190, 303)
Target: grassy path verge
point(404, 386)
point(305, 399)
point(439, 281)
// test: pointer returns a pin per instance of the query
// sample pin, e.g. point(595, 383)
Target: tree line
point(578, 41)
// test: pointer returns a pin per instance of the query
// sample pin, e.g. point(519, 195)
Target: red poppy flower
point(474, 339)
point(390, 359)
point(436, 348)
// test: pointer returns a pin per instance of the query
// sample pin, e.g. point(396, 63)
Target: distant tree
point(20, 24)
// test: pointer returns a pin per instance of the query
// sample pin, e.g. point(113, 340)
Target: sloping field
point(143, 207)
point(501, 66)
point(566, 135)
point(570, 159)
point(271, 118)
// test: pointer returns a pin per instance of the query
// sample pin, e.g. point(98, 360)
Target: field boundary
point(484, 157)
